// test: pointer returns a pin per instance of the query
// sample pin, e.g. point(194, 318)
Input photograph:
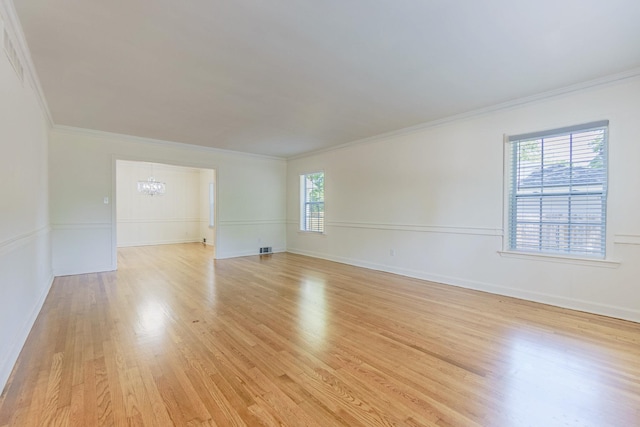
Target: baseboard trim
point(247, 253)
point(90, 270)
point(21, 338)
point(558, 301)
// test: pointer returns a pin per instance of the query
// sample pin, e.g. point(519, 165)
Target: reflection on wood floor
point(176, 338)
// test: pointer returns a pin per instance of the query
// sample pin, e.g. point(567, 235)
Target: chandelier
point(151, 187)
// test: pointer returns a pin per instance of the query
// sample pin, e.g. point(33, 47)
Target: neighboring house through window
point(558, 191)
point(312, 202)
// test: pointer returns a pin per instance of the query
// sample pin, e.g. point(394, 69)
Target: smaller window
point(312, 202)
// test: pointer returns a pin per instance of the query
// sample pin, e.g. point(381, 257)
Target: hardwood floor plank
point(176, 338)
point(104, 404)
point(50, 409)
point(76, 411)
point(159, 410)
point(89, 395)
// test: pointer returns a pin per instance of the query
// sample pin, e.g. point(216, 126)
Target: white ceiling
point(284, 77)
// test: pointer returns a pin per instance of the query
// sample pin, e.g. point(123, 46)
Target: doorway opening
point(159, 204)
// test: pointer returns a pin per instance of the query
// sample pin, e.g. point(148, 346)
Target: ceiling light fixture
point(151, 187)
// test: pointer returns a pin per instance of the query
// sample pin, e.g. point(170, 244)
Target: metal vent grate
point(12, 54)
point(266, 250)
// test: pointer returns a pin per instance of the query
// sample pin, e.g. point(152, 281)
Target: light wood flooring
point(176, 338)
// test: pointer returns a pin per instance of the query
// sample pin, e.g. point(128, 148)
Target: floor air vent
point(266, 250)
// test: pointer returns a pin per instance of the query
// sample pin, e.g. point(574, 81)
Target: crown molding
point(71, 130)
point(14, 28)
point(9, 16)
point(602, 81)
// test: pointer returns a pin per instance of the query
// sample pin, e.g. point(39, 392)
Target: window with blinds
point(558, 191)
point(312, 202)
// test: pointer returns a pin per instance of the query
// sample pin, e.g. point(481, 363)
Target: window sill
point(312, 233)
point(605, 263)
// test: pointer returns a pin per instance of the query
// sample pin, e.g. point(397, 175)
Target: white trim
point(627, 239)
point(148, 158)
point(602, 81)
point(14, 28)
point(13, 243)
point(85, 270)
point(543, 298)
point(239, 223)
point(561, 259)
point(114, 212)
point(82, 226)
point(506, 178)
point(481, 231)
point(20, 338)
point(164, 166)
point(70, 130)
point(312, 171)
point(421, 228)
point(312, 233)
point(247, 253)
point(159, 242)
point(155, 221)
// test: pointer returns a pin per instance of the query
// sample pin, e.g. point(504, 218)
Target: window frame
point(509, 168)
point(302, 225)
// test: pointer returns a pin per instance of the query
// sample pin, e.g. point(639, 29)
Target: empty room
point(296, 213)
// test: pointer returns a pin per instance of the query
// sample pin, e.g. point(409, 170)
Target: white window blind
point(558, 191)
point(312, 202)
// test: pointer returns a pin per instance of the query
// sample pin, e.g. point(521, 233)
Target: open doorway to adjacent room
point(159, 204)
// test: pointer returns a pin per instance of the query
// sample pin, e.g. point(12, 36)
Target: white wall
point(174, 217)
point(25, 258)
point(207, 232)
point(435, 196)
point(251, 196)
